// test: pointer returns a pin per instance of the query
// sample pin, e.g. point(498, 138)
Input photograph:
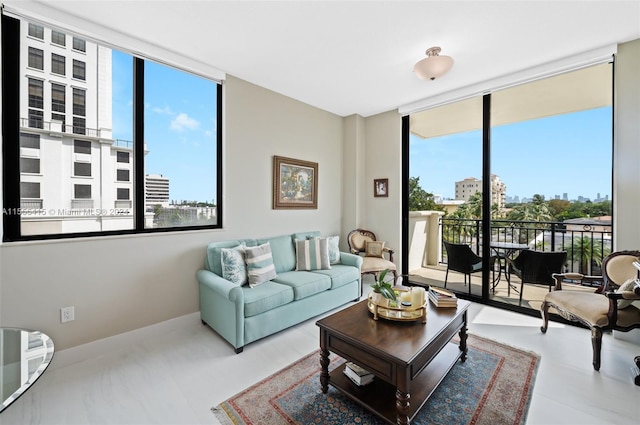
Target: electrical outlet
point(66, 314)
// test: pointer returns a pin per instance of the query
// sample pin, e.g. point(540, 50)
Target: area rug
point(494, 386)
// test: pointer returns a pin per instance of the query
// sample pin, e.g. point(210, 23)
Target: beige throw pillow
point(374, 248)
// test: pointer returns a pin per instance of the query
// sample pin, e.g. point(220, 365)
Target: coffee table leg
point(463, 339)
point(402, 406)
point(324, 372)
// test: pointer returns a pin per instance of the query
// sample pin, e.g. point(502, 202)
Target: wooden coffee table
point(409, 359)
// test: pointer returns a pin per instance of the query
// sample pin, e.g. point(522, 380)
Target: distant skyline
point(180, 125)
point(569, 153)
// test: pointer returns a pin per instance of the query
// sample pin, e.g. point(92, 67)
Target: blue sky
point(180, 125)
point(548, 156)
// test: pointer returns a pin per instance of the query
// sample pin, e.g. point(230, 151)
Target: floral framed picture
point(295, 183)
point(380, 188)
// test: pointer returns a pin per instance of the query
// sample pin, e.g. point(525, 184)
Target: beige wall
point(121, 283)
point(626, 172)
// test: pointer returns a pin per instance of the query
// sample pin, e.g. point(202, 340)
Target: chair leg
point(521, 290)
point(445, 277)
point(596, 342)
point(544, 309)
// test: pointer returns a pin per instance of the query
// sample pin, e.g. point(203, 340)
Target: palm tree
point(584, 250)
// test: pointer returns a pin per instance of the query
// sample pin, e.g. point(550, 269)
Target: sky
point(180, 125)
point(548, 156)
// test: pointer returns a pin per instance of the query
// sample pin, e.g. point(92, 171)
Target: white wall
point(121, 283)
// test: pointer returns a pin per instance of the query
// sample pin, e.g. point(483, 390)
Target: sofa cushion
point(306, 235)
point(213, 260)
point(284, 253)
point(374, 248)
point(312, 254)
point(334, 249)
point(304, 284)
point(265, 297)
point(340, 275)
point(234, 268)
point(260, 266)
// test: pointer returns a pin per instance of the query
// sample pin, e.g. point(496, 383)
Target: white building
point(156, 190)
point(468, 187)
point(73, 176)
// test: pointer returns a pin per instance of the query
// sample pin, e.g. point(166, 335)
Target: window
point(36, 119)
point(57, 64)
point(35, 93)
point(122, 156)
point(28, 140)
point(58, 38)
point(79, 44)
point(36, 58)
point(82, 191)
point(30, 190)
point(30, 165)
point(122, 194)
point(79, 125)
point(58, 98)
point(122, 176)
point(36, 31)
point(102, 97)
point(82, 169)
point(81, 146)
point(79, 102)
point(78, 70)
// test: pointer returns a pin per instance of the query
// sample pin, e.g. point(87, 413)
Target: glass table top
point(24, 356)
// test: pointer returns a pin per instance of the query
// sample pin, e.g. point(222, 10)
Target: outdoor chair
point(613, 309)
point(363, 241)
point(536, 267)
point(462, 259)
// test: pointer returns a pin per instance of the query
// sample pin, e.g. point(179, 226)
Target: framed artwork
point(380, 188)
point(295, 183)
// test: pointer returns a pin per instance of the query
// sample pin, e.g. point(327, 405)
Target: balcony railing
point(58, 127)
point(586, 244)
point(81, 203)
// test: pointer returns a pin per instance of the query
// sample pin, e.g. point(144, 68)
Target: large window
point(149, 158)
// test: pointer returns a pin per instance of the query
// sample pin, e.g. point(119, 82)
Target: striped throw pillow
point(312, 254)
point(260, 267)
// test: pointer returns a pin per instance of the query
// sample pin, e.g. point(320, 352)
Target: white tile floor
point(174, 372)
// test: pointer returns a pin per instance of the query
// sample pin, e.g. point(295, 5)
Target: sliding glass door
point(524, 168)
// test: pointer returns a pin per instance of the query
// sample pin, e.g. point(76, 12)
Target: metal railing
point(58, 127)
point(586, 244)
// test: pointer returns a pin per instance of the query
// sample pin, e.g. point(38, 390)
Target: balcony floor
point(532, 297)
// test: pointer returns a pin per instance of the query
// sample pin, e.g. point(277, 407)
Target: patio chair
point(536, 267)
point(374, 261)
point(613, 309)
point(462, 259)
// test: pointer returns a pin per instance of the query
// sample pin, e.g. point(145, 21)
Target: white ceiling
point(356, 57)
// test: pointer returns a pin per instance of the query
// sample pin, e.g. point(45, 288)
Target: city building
point(74, 177)
point(468, 187)
point(156, 190)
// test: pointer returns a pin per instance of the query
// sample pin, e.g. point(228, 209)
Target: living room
point(126, 283)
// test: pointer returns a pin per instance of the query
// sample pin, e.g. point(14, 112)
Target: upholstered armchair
point(377, 256)
point(613, 309)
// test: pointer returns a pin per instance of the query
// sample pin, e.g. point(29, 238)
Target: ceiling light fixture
point(433, 66)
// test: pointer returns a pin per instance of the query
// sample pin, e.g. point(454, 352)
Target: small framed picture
point(380, 188)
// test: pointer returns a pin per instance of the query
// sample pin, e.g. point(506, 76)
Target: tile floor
point(174, 372)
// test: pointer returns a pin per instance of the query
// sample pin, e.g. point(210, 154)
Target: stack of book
point(358, 375)
point(442, 298)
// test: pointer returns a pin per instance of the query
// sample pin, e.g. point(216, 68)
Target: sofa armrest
point(351, 260)
point(220, 286)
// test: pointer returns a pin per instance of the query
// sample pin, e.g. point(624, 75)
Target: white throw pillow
point(234, 268)
point(260, 267)
point(629, 285)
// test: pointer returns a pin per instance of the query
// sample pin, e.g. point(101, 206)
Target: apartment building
point(468, 187)
point(74, 177)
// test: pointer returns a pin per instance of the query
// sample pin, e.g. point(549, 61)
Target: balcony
point(58, 127)
point(586, 241)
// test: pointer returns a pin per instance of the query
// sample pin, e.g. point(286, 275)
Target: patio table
point(505, 252)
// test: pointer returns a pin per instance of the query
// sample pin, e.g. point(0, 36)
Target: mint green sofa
point(241, 314)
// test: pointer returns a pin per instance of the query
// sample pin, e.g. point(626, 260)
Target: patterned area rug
point(494, 386)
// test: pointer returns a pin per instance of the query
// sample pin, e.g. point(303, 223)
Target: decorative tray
point(399, 312)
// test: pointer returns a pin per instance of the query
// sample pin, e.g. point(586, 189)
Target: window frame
point(11, 89)
point(58, 61)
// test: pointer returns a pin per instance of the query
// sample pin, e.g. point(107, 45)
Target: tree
point(419, 199)
point(583, 250)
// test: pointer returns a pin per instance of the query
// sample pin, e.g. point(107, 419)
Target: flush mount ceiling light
point(433, 66)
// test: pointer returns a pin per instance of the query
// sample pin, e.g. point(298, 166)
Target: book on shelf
point(442, 298)
point(358, 375)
